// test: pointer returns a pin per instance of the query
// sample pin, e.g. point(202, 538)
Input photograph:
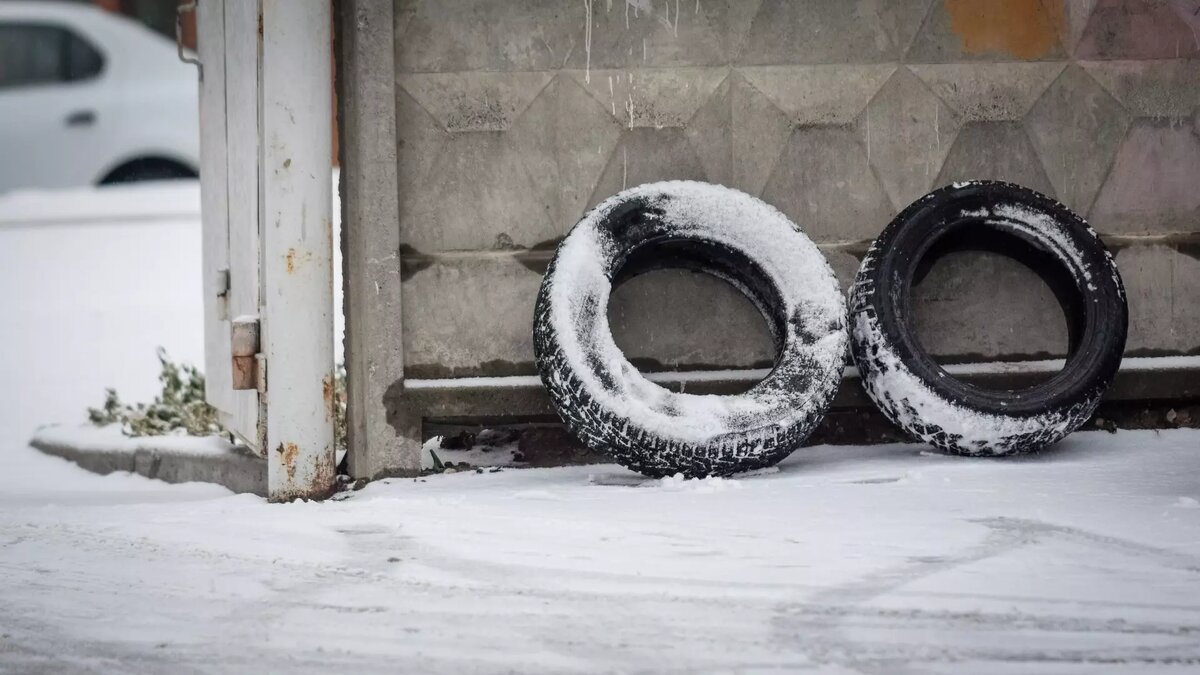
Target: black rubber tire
point(148, 169)
point(919, 396)
point(607, 404)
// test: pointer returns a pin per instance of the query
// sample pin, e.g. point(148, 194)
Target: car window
point(40, 53)
point(83, 61)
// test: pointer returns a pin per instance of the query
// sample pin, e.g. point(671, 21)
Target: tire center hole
point(680, 320)
point(981, 304)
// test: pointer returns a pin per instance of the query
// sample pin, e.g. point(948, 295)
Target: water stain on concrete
point(412, 261)
point(1025, 29)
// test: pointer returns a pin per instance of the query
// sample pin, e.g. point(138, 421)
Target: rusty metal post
point(297, 249)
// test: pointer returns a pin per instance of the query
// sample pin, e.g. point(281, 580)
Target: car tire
point(614, 409)
point(148, 169)
point(917, 394)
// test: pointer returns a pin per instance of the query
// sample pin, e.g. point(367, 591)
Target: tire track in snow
point(818, 627)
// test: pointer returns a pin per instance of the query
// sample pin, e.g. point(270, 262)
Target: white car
point(88, 97)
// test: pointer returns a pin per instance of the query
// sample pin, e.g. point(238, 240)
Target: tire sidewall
point(929, 404)
point(648, 450)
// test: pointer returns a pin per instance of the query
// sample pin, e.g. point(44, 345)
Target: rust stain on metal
point(289, 451)
point(293, 259)
point(321, 485)
point(324, 482)
point(1025, 29)
point(328, 225)
point(245, 373)
point(244, 346)
point(327, 393)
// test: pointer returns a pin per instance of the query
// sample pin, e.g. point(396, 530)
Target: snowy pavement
point(883, 559)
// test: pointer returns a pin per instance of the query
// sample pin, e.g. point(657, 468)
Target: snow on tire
point(923, 399)
point(612, 407)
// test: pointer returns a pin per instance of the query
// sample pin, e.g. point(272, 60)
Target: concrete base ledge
point(174, 459)
point(497, 398)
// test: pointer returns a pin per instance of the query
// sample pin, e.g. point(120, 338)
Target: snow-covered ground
point(879, 560)
point(884, 559)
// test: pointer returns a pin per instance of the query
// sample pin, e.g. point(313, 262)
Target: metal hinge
point(244, 345)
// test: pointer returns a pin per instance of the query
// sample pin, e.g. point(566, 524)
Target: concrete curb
point(173, 459)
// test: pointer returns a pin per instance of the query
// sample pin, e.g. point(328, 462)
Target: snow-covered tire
point(612, 407)
point(918, 395)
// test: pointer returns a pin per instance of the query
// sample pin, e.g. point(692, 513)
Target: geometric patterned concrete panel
point(673, 298)
point(824, 183)
point(515, 117)
point(819, 95)
point(1076, 126)
point(789, 32)
point(1167, 283)
point(984, 92)
point(494, 336)
point(1150, 88)
point(1140, 30)
point(760, 135)
point(1155, 178)
point(911, 132)
point(951, 292)
point(973, 155)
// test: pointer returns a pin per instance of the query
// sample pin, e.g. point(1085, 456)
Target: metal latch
point(222, 290)
point(244, 343)
point(183, 8)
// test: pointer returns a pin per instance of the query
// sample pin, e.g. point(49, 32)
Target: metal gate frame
point(266, 209)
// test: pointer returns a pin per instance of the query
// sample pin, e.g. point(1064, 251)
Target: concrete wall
point(513, 118)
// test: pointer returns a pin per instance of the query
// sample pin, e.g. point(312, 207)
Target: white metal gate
point(265, 124)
